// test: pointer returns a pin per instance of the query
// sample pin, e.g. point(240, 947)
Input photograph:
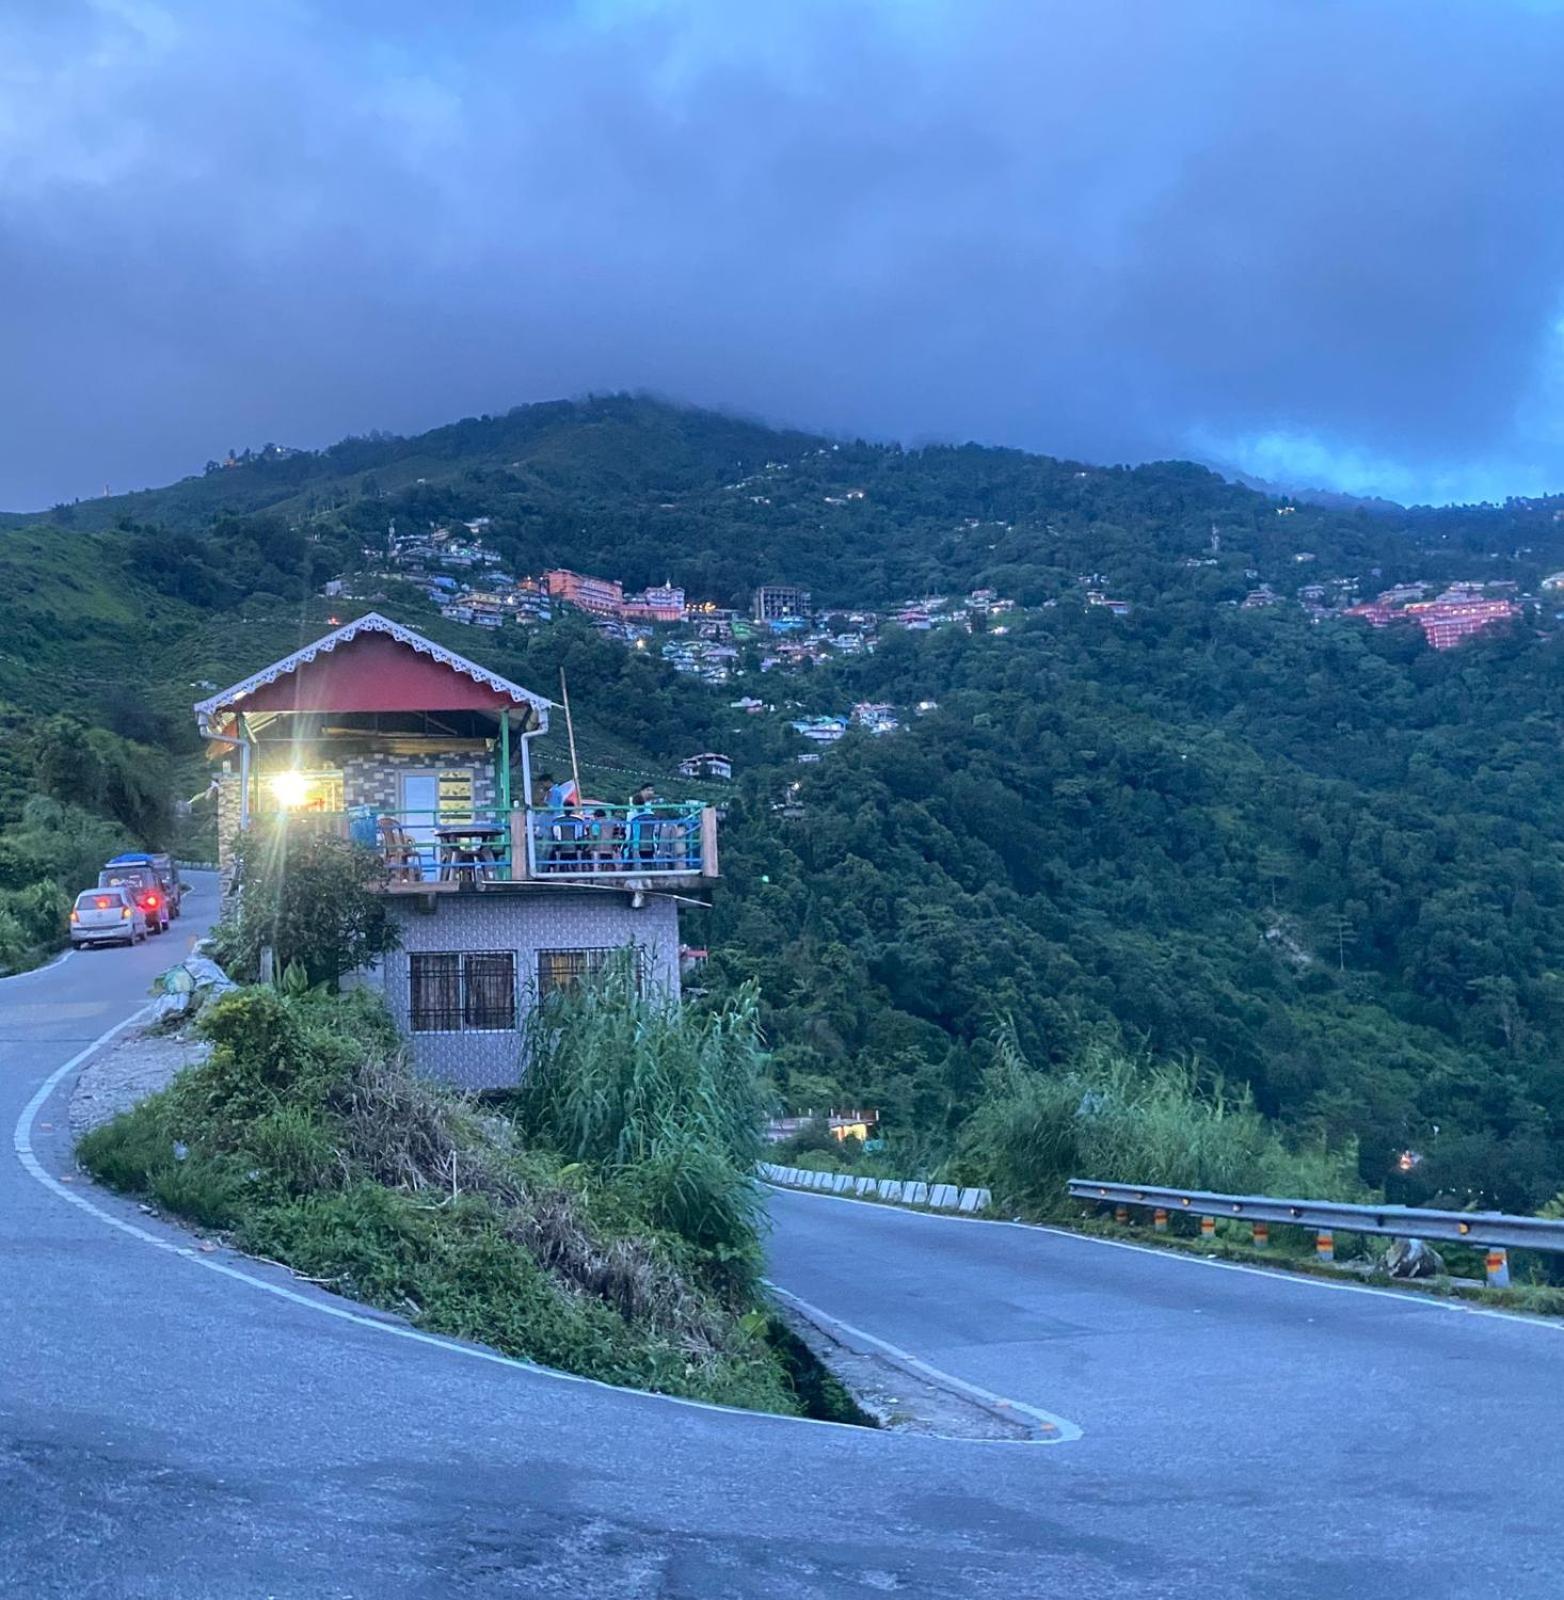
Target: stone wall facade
point(522, 922)
point(374, 780)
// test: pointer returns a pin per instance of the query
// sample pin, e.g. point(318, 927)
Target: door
point(419, 806)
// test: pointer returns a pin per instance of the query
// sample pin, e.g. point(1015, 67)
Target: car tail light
point(102, 902)
point(124, 913)
point(75, 914)
point(150, 902)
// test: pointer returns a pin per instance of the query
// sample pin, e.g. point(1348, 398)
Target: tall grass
point(1129, 1120)
point(668, 1099)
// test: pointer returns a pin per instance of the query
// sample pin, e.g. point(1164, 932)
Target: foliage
point(1131, 1121)
point(103, 773)
point(1326, 860)
point(305, 1135)
point(667, 1097)
point(309, 896)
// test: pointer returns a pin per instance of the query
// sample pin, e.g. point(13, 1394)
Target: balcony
point(634, 847)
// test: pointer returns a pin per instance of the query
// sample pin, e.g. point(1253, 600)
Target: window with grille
point(456, 993)
point(564, 969)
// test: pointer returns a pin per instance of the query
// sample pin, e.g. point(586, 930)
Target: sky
point(1318, 241)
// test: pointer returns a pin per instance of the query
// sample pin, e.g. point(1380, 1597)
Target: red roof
point(370, 665)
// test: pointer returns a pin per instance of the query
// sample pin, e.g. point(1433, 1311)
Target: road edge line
point(379, 1322)
point(1065, 1431)
point(1276, 1274)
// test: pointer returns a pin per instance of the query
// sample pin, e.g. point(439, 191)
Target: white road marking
point(22, 1142)
point(1063, 1430)
point(1404, 1297)
point(49, 966)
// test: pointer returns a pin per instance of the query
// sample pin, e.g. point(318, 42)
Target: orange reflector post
point(1121, 1214)
point(1498, 1265)
point(1159, 1220)
point(1208, 1227)
point(1262, 1235)
point(1325, 1245)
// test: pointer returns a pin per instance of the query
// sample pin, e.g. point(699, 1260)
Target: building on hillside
point(658, 603)
point(820, 730)
point(423, 758)
point(779, 602)
point(602, 597)
point(876, 718)
point(708, 765)
point(1445, 623)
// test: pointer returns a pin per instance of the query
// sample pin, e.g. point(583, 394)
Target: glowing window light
point(290, 789)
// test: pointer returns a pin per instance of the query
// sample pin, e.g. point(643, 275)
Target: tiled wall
point(372, 780)
point(525, 922)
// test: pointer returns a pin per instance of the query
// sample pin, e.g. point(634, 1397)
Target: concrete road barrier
point(894, 1191)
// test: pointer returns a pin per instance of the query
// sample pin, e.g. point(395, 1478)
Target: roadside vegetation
point(603, 1223)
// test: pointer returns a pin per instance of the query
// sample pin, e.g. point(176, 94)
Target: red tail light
point(150, 902)
point(102, 902)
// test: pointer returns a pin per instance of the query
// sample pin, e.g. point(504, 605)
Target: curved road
point(176, 1423)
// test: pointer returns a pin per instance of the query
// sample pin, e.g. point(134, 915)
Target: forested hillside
point(1322, 859)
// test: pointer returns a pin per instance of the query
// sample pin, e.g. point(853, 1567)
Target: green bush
point(668, 1097)
point(1113, 1117)
point(311, 898)
point(305, 1136)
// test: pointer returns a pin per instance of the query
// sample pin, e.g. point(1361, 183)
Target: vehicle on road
point(145, 887)
point(108, 915)
point(162, 864)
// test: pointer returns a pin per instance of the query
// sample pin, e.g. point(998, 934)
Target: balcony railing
point(426, 850)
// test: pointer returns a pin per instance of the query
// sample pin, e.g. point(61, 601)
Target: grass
point(305, 1139)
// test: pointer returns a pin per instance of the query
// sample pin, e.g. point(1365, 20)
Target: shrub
point(305, 1135)
point(312, 898)
point(666, 1096)
point(1113, 1117)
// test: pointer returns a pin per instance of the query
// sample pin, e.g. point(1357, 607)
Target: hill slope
point(1325, 860)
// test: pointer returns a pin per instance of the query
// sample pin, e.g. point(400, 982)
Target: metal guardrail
point(1493, 1228)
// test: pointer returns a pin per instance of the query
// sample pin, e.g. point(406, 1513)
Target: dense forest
point(1324, 860)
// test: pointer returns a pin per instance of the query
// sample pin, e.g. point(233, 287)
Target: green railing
point(490, 845)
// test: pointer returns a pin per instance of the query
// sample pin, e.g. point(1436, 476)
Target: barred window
point(564, 969)
point(454, 993)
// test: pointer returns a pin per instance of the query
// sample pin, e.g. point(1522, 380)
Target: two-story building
point(424, 758)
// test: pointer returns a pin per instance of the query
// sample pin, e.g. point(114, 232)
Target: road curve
point(171, 1430)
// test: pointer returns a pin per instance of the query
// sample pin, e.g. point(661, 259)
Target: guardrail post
point(1262, 1235)
point(1121, 1214)
point(1208, 1227)
point(1498, 1264)
point(1159, 1220)
point(1325, 1245)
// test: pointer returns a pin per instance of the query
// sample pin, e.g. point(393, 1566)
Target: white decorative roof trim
point(370, 622)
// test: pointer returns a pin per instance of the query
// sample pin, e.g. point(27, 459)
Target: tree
point(310, 897)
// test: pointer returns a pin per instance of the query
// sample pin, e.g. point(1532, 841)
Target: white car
point(108, 915)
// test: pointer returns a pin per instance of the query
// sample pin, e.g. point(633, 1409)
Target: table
point(468, 848)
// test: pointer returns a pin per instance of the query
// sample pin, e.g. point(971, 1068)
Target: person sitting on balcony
point(569, 834)
point(604, 839)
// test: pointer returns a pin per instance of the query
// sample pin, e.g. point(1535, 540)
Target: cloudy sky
point(1322, 240)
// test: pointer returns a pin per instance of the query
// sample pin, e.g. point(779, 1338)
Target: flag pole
point(570, 731)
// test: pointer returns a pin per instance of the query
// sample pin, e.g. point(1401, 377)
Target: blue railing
point(489, 845)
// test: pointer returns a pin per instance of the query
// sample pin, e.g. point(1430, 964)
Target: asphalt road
point(176, 1423)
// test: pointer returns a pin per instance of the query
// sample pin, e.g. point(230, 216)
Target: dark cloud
point(1318, 238)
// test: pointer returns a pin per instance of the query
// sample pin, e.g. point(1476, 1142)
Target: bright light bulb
point(291, 789)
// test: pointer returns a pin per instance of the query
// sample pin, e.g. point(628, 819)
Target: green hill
point(1325, 860)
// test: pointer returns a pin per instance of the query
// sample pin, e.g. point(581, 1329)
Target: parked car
point(108, 915)
point(163, 865)
point(145, 887)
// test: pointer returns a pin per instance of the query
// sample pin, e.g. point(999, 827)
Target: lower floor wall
point(471, 967)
